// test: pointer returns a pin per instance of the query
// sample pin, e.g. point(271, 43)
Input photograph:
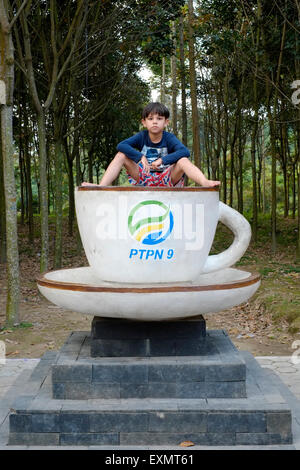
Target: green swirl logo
point(150, 222)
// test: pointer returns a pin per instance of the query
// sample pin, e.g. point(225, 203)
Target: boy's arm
point(176, 150)
point(129, 147)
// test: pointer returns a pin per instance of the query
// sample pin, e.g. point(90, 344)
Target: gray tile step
point(261, 419)
point(218, 372)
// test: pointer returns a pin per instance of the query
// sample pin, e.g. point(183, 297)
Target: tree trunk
point(263, 170)
point(7, 76)
point(273, 182)
point(90, 164)
point(253, 161)
point(58, 189)
point(193, 85)
point(294, 190)
point(218, 142)
point(22, 179)
point(284, 156)
point(43, 176)
point(233, 144)
point(241, 148)
point(298, 242)
point(298, 182)
point(71, 196)
point(232, 156)
point(70, 157)
point(254, 183)
point(27, 161)
point(174, 82)
point(183, 84)
point(79, 176)
point(225, 134)
point(259, 169)
point(297, 146)
point(163, 81)
point(2, 212)
point(207, 138)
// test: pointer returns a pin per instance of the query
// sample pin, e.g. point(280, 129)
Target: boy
point(154, 157)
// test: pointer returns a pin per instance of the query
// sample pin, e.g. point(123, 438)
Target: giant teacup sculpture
point(148, 250)
point(148, 372)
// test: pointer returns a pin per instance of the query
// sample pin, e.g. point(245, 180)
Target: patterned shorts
point(155, 178)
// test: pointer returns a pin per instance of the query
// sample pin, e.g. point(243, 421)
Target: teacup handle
point(242, 236)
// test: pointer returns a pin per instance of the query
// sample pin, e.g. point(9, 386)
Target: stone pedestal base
point(220, 397)
point(263, 418)
point(119, 338)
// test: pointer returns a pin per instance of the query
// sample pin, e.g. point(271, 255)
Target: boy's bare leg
point(114, 168)
point(185, 166)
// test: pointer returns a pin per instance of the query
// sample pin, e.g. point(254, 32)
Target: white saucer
point(81, 291)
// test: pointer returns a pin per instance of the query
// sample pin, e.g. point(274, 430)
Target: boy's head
point(155, 108)
point(155, 119)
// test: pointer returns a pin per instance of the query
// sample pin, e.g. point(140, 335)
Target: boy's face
point(155, 123)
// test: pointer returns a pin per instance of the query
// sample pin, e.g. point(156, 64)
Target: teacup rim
point(147, 188)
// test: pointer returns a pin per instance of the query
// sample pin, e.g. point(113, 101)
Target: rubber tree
point(2, 211)
point(7, 147)
point(174, 81)
point(297, 162)
point(182, 73)
point(193, 85)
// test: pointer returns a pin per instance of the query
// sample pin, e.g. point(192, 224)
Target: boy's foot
point(89, 184)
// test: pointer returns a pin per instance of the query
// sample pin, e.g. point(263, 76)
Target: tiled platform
point(262, 418)
point(15, 380)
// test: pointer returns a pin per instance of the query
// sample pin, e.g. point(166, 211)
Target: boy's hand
point(210, 184)
point(146, 166)
point(156, 164)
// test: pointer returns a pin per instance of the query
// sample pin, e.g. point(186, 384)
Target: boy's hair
point(155, 108)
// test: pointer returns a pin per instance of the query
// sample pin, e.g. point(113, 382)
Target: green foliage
point(157, 42)
point(22, 325)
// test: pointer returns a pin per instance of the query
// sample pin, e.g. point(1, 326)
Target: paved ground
point(14, 373)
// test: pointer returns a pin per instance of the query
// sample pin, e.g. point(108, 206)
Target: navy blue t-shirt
point(169, 149)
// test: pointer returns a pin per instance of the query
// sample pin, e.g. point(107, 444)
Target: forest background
point(72, 86)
